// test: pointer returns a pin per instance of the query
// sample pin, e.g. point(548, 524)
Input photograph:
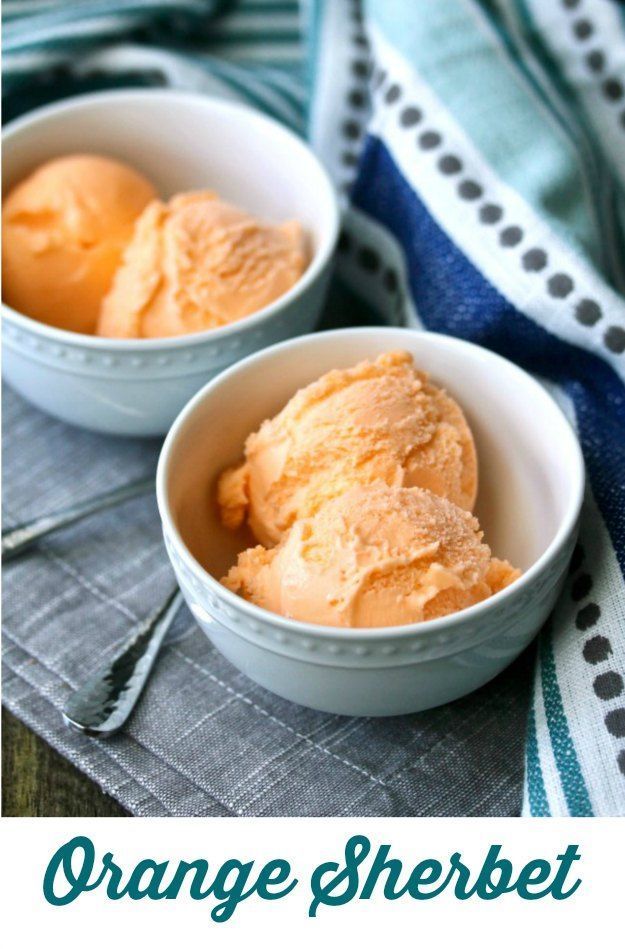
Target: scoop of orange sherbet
point(64, 229)
point(378, 421)
point(377, 555)
point(197, 263)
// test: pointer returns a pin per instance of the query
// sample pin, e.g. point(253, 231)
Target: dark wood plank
point(38, 782)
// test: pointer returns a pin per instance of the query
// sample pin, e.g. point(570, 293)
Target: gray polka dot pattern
point(490, 213)
point(469, 190)
point(357, 98)
point(587, 616)
point(595, 61)
point(356, 14)
point(510, 236)
point(372, 263)
point(450, 165)
point(597, 649)
point(360, 68)
point(534, 259)
point(615, 722)
point(582, 29)
point(615, 339)
point(429, 140)
point(368, 259)
point(344, 242)
point(611, 87)
point(588, 312)
point(410, 116)
point(351, 129)
point(581, 587)
point(608, 683)
point(558, 285)
point(577, 559)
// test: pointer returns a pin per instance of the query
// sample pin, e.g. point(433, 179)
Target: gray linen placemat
point(205, 740)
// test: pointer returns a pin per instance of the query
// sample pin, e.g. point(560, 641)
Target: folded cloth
point(478, 147)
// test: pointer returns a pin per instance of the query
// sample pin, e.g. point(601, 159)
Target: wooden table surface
point(39, 782)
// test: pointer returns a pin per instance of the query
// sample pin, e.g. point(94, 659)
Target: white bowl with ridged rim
point(181, 141)
point(530, 495)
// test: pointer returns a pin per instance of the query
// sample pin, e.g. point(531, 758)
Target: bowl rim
point(318, 262)
point(422, 629)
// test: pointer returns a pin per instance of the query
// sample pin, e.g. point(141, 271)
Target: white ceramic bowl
point(531, 486)
point(181, 142)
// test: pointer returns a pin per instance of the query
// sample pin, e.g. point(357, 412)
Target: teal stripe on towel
point(572, 780)
point(536, 793)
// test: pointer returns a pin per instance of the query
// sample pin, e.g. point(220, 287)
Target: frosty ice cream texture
point(376, 555)
point(197, 263)
point(88, 247)
point(377, 421)
point(64, 229)
point(360, 491)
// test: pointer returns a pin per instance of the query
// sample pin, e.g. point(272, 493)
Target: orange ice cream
point(63, 232)
point(197, 263)
point(378, 421)
point(377, 555)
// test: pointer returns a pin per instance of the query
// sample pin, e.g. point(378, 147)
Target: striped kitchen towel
point(479, 147)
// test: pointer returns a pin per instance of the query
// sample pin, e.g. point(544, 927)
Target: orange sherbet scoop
point(377, 421)
point(197, 263)
point(377, 555)
point(64, 229)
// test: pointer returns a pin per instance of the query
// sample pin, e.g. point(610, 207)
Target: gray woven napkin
point(205, 740)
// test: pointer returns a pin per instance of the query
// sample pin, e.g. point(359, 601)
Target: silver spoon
point(103, 704)
point(16, 540)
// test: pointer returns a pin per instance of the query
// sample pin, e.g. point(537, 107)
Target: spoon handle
point(16, 540)
point(102, 705)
